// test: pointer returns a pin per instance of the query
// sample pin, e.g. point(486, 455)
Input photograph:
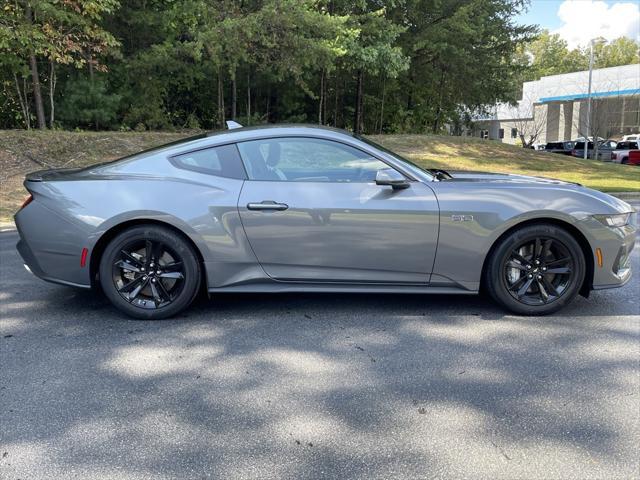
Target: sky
point(578, 21)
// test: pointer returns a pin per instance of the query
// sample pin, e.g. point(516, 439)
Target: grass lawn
point(463, 153)
point(22, 152)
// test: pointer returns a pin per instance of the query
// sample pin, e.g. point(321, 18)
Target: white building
point(555, 108)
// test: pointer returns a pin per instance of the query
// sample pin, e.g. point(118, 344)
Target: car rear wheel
point(625, 160)
point(535, 270)
point(150, 272)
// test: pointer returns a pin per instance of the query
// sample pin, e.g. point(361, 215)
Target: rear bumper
point(32, 265)
point(29, 259)
point(51, 246)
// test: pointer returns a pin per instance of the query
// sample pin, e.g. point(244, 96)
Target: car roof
point(277, 130)
point(278, 126)
point(221, 137)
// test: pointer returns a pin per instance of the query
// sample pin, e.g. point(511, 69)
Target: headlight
point(617, 220)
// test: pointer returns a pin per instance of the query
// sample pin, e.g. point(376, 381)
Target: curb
point(7, 227)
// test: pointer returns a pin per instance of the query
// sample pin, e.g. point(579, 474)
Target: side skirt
point(281, 287)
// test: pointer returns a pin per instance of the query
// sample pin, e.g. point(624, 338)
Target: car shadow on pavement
point(314, 386)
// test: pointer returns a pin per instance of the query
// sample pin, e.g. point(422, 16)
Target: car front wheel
point(150, 272)
point(535, 270)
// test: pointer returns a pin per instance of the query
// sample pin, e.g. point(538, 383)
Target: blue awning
point(581, 96)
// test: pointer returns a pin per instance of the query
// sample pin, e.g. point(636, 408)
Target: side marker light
point(599, 257)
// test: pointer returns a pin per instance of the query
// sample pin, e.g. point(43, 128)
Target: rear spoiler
point(51, 174)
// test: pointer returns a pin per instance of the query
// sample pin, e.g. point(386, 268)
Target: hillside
point(22, 152)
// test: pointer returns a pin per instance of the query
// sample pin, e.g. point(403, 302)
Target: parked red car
point(634, 157)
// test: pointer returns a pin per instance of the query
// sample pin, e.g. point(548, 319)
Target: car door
point(312, 212)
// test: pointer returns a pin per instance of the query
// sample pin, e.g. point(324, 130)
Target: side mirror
point(392, 178)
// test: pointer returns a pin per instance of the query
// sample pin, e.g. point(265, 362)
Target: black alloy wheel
point(539, 271)
point(535, 270)
point(150, 272)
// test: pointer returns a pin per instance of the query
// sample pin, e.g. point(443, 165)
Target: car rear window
point(223, 161)
point(554, 145)
point(627, 146)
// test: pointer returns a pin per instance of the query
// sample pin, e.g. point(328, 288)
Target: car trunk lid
point(53, 174)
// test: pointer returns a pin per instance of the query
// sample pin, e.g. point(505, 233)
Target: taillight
point(613, 156)
point(573, 152)
point(28, 199)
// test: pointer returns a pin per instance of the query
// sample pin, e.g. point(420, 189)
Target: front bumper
point(616, 245)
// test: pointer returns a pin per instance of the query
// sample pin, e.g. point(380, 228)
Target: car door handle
point(267, 205)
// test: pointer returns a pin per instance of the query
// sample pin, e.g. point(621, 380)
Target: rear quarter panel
point(79, 212)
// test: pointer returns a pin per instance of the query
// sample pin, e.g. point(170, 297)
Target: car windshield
point(395, 156)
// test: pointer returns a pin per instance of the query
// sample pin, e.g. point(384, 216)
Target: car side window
point(222, 161)
point(293, 159)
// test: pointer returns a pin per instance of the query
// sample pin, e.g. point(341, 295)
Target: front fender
point(474, 215)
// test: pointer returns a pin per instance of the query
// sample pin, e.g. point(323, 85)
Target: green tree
point(88, 104)
point(462, 54)
point(373, 52)
point(548, 54)
point(369, 65)
point(621, 51)
point(60, 33)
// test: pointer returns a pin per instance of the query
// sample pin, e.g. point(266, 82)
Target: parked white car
point(621, 153)
point(634, 137)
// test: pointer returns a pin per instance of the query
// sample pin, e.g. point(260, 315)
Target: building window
point(514, 133)
point(501, 133)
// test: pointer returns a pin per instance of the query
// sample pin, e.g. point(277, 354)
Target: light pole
point(586, 139)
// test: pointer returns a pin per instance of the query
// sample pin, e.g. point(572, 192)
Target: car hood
point(609, 202)
point(465, 176)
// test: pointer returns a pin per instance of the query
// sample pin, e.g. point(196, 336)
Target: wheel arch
point(100, 246)
point(573, 231)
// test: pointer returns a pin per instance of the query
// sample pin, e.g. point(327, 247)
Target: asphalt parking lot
point(315, 386)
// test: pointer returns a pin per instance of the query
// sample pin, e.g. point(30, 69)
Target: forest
point(371, 66)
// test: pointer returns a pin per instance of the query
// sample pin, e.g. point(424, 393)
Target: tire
point(519, 284)
point(624, 161)
point(150, 272)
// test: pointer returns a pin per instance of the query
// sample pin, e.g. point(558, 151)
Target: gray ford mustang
point(305, 208)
